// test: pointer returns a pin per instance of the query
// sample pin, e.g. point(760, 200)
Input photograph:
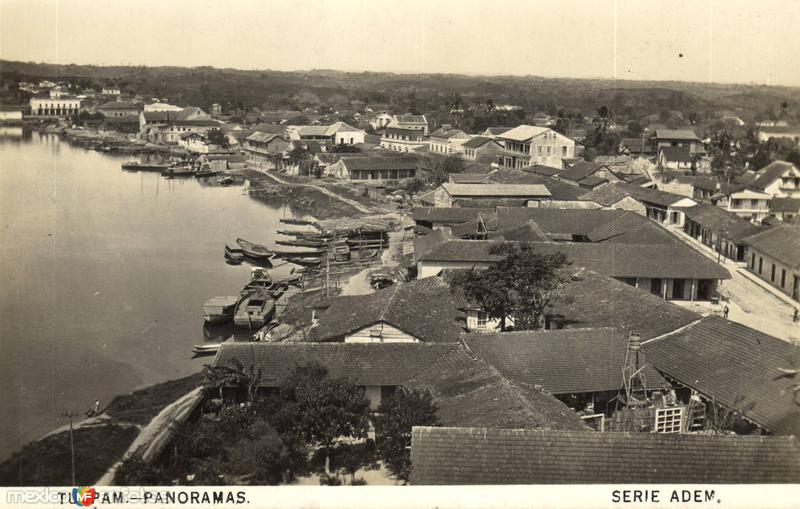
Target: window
point(564, 150)
point(669, 420)
point(772, 275)
point(783, 278)
point(630, 281)
point(483, 318)
point(753, 204)
point(655, 286)
point(760, 264)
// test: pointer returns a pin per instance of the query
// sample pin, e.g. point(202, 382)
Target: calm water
point(103, 275)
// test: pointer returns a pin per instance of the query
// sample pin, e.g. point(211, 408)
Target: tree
point(218, 138)
point(134, 471)
point(413, 186)
point(439, 168)
point(727, 158)
point(398, 414)
point(319, 409)
point(521, 285)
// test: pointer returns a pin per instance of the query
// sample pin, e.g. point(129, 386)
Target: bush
point(399, 413)
point(134, 471)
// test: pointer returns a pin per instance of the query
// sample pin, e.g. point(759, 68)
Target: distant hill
point(234, 88)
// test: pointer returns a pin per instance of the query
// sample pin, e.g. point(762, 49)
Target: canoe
point(219, 309)
point(286, 253)
point(207, 349)
point(301, 243)
point(205, 173)
point(296, 221)
point(178, 171)
point(307, 261)
point(253, 250)
point(225, 181)
point(134, 165)
point(234, 258)
point(254, 310)
point(232, 248)
point(259, 283)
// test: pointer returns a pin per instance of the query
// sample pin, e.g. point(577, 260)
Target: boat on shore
point(261, 283)
point(296, 221)
point(207, 349)
point(205, 173)
point(254, 310)
point(297, 253)
point(219, 309)
point(309, 261)
point(301, 242)
point(137, 166)
point(253, 250)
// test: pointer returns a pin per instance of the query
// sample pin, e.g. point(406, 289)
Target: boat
point(178, 171)
point(219, 309)
point(259, 283)
point(134, 165)
point(234, 258)
point(253, 250)
point(225, 181)
point(263, 333)
point(300, 242)
point(205, 173)
point(233, 248)
point(307, 261)
point(299, 253)
point(254, 310)
point(296, 221)
point(207, 349)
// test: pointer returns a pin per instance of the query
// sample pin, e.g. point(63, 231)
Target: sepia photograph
point(351, 253)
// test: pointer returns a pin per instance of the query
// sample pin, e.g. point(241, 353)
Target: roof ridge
point(676, 331)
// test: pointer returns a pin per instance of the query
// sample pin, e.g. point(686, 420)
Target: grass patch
point(141, 406)
point(48, 462)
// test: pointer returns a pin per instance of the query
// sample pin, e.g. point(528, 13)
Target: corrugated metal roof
point(523, 132)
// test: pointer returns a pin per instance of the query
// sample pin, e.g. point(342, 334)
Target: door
point(677, 289)
point(655, 286)
point(796, 288)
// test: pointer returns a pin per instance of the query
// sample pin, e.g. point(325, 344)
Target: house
point(474, 456)
point(119, 109)
point(734, 366)
point(338, 133)
point(162, 106)
point(403, 139)
point(672, 271)
point(468, 391)
point(785, 209)
point(675, 158)
point(47, 107)
point(636, 147)
point(413, 122)
point(112, 91)
point(9, 113)
point(526, 145)
point(719, 229)
point(494, 132)
point(785, 132)
point(128, 124)
point(196, 143)
point(418, 311)
point(661, 206)
point(586, 174)
point(740, 197)
point(374, 168)
point(448, 193)
point(779, 179)
point(380, 120)
point(196, 125)
point(380, 368)
point(676, 138)
point(581, 367)
point(444, 217)
point(448, 141)
point(560, 191)
point(774, 256)
point(481, 148)
point(265, 149)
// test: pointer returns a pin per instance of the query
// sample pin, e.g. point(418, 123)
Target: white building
point(47, 107)
point(526, 145)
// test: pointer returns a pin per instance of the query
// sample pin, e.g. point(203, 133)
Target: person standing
point(725, 312)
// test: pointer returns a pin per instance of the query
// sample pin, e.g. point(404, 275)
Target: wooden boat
point(299, 253)
point(300, 242)
point(260, 283)
point(254, 310)
point(205, 173)
point(219, 309)
point(207, 349)
point(296, 221)
point(233, 248)
point(252, 249)
point(225, 181)
point(134, 165)
point(178, 171)
point(307, 261)
point(234, 258)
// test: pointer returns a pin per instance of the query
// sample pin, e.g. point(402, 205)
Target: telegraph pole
point(70, 415)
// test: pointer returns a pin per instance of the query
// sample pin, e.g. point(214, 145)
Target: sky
point(728, 41)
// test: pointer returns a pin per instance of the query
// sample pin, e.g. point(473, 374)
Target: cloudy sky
point(695, 40)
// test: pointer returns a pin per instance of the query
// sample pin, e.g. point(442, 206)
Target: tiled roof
point(496, 131)
point(631, 228)
point(523, 132)
point(593, 300)
point(500, 190)
point(721, 221)
point(264, 137)
point(581, 170)
point(270, 128)
point(411, 119)
point(781, 242)
point(545, 170)
point(676, 134)
point(478, 141)
point(564, 361)
point(446, 215)
point(313, 130)
point(607, 194)
point(468, 178)
point(608, 258)
point(610, 193)
point(469, 456)
point(734, 365)
point(769, 173)
point(470, 392)
point(558, 190)
point(119, 105)
point(447, 133)
point(784, 205)
point(676, 154)
point(528, 232)
point(424, 243)
point(420, 308)
point(367, 363)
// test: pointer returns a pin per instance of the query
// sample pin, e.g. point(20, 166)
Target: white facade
point(747, 203)
point(161, 107)
point(111, 91)
point(787, 185)
point(380, 332)
point(541, 146)
point(348, 137)
point(46, 107)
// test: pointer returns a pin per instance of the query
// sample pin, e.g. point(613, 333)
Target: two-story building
point(526, 145)
point(403, 140)
point(61, 108)
point(779, 179)
point(410, 122)
point(264, 149)
point(119, 109)
point(676, 138)
point(447, 140)
point(481, 148)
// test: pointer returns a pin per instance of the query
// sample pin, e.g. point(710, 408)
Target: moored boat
point(234, 258)
point(225, 181)
point(207, 349)
point(219, 309)
point(134, 165)
point(253, 250)
point(178, 171)
point(296, 221)
point(307, 261)
point(297, 253)
point(254, 310)
point(300, 242)
point(264, 283)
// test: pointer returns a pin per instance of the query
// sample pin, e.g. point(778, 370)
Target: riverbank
point(100, 441)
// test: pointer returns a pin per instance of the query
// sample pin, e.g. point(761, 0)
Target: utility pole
point(70, 415)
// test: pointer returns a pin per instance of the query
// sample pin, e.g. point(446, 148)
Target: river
point(103, 274)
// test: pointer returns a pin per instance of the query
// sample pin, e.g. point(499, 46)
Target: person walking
point(725, 312)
